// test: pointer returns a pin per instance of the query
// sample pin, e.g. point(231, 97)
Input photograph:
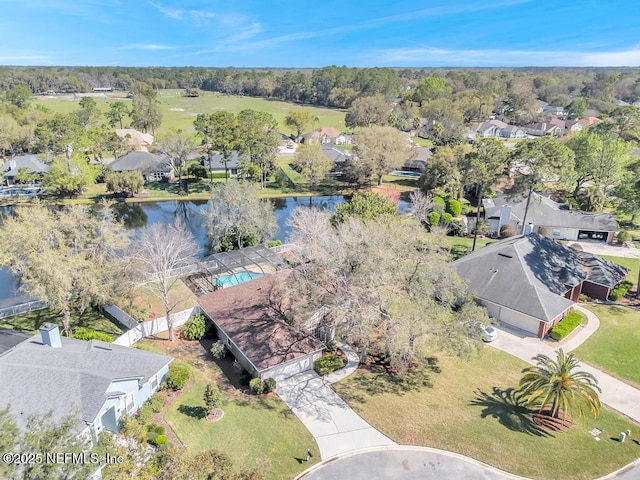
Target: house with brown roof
point(325, 136)
point(249, 320)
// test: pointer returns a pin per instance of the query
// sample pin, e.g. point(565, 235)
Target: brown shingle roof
point(248, 314)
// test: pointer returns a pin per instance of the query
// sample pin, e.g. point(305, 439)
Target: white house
point(549, 218)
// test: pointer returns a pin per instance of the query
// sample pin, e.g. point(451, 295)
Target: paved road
point(406, 463)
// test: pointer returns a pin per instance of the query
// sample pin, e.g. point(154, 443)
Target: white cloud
point(495, 57)
point(175, 13)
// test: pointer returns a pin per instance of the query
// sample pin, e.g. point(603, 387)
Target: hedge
point(620, 291)
point(82, 333)
point(565, 326)
point(194, 328)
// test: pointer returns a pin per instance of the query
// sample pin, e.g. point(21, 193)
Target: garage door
point(518, 320)
point(288, 369)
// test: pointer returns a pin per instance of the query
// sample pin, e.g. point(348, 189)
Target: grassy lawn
point(179, 112)
point(469, 408)
point(151, 303)
point(461, 246)
point(633, 264)
point(254, 430)
point(614, 346)
point(32, 321)
point(423, 142)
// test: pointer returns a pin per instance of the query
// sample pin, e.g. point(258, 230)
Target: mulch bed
point(214, 415)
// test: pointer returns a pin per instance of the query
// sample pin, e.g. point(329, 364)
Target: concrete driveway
point(336, 428)
point(615, 393)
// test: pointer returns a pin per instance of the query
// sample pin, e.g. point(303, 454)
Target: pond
point(192, 213)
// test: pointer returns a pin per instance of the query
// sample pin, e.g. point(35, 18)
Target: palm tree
point(553, 384)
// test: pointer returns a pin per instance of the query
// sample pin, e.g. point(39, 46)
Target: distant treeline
point(338, 86)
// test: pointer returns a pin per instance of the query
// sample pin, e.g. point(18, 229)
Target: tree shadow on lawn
point(194, 412)
point(377, 381)
point(509, 408)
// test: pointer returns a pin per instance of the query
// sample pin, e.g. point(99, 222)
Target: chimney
point(50, 335)
point(505, 216)
point(528, 229)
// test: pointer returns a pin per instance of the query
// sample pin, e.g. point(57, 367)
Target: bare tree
point(237, 217)
point(158, 253)
point(385, 285)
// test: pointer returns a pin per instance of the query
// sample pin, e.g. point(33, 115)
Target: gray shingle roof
point(32, 162)
point(141, 161)
point(530, 274)
point(215, 162)
point(544, 212)
point(73, 379)
point(336, 155)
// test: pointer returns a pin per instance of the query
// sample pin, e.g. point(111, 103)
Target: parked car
point(489, 334)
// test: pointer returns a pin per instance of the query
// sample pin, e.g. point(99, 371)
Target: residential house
point(492, 128)
point(542, 129)
point(323, 136)
point(572, 126)
point(32, 163)
point(338, 156)
point(249, 322)
point(549, 218)
point(153, 167)
point(512, 131)
point(96, 381)
point(530, 282)
point(418, 162)
point(216, 165)
point(138, 141)
point(553, 110)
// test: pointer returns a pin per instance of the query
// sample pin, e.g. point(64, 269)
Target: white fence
point(120, 315)
point(153, 327)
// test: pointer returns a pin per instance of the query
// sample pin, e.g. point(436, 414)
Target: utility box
point(622, 437)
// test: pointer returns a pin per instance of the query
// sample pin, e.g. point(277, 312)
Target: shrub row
point(620, 291)
point(328, 363)
point(82, 333)
point(259, 387)
point(566, 325)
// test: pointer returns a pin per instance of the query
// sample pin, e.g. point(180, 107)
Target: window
point(129, 401)
point(556, 233)
point(154, 382)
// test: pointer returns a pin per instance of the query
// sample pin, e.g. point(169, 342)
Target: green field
point(180, 112)
point(470, 407)
point(91, 319)
point(613, 348)
point(633, 264)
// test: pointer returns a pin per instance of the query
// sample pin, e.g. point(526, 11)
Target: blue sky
point(362, 33)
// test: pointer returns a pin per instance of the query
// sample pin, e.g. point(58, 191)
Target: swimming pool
point(399, 173)
point(225, 281)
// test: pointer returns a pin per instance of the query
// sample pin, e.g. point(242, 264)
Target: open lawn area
point(92, 319)
point(180, 294)
point(461, 246)
point(613, 348)
point(255, 430)
point(179, 112)
point(470, 408)
point(633, 264)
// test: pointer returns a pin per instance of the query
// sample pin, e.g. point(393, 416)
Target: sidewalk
point(615, 393)
point(336, 428)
